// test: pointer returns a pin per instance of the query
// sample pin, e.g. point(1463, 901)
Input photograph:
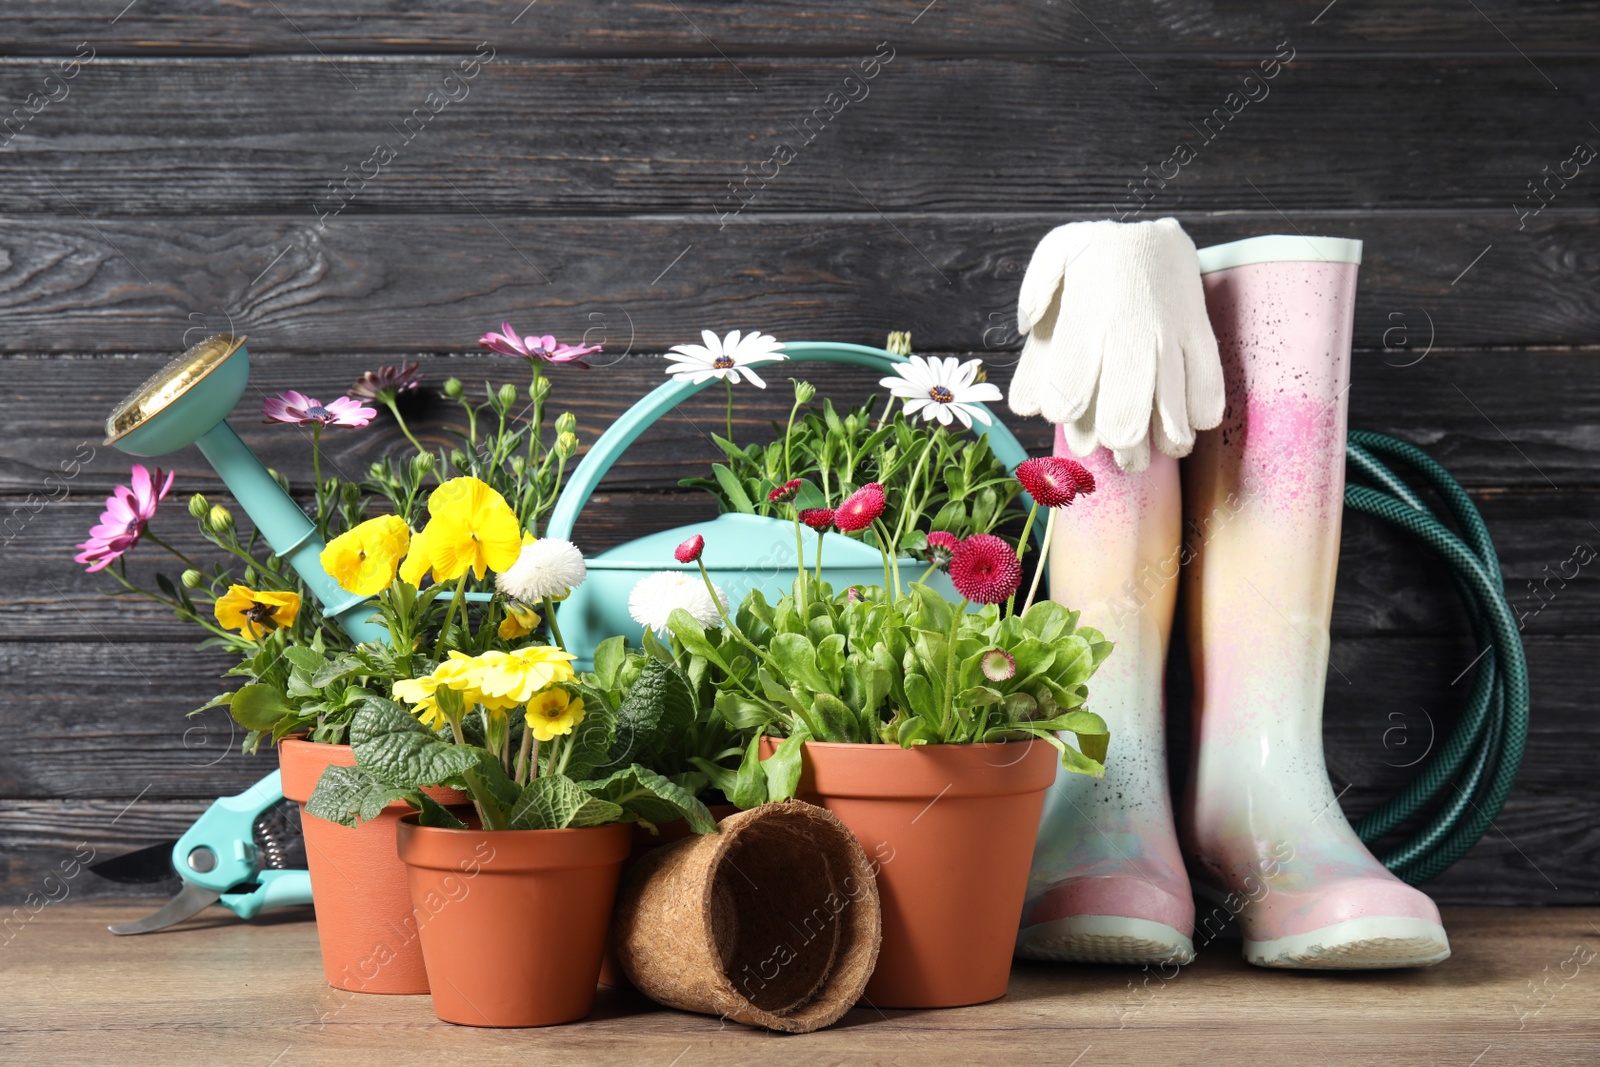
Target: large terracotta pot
point(950, 831)
point(513, 922)
point(358, 884)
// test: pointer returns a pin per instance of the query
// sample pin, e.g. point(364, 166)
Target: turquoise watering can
point(743, 552)
point(187, 402)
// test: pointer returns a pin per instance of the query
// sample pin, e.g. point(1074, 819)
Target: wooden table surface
point(1522, 988)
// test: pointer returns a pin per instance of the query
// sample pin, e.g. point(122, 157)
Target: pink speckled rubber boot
point(1108, 884)
point(1263, 497)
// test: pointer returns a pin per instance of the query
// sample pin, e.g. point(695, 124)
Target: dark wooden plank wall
point(173, 171)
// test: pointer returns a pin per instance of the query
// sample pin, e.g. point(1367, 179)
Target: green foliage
point(876, 669)
point(397, 757)
point(959, 486)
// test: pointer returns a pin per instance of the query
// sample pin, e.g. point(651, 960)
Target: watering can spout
point(187, 402)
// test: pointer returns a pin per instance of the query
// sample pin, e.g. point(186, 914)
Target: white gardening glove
point(1118, 345)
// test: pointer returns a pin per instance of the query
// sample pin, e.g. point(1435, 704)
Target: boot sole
point(1104, 939)
point(1367, 944)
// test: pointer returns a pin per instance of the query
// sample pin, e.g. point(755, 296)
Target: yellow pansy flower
point(255, 614)
point(553, 712)
point(471, 528)
point(417, 564)
point(363, 559)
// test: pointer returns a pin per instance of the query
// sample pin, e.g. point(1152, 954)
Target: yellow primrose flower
point(255, 614)
point(419, 693)
point(364, 558)
point(471, 528)
point(515, 677)
point(520, 621)
point(460, 673)
point(553, 712)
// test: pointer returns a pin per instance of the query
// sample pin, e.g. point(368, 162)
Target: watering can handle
point(633, 422)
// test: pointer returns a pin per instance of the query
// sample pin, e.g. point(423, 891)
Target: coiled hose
point(1466, 781)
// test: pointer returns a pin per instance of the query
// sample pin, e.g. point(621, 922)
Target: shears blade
point(190, 901)
point(153, 864)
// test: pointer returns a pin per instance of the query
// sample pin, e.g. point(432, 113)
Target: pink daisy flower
point(296, 408)
point(390, 382)
point(534, 347)
point(690, 550)
point(984, 569)
point(819, 519)
point(941, 546)
point(860, 509)
point(129, 510)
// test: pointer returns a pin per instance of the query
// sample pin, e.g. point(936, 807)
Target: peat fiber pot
point(771, 921)
point(358, 884)
point(950, 831)
point(513, 922)
point(644, 841)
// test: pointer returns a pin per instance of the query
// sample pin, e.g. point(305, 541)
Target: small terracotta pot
point(950, 831)
point(644, 841)
point(364, 922)
point(512, 922)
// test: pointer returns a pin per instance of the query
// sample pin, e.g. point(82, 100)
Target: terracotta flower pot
point(513, 922)
point(644, 841)
point(950, 830)
point(364, 921)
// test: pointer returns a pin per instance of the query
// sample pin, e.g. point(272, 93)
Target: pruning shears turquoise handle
point(276, 889)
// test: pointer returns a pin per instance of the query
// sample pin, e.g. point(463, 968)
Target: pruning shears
point(245, 853)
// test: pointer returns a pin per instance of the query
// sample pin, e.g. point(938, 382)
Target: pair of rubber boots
point(1251, 534)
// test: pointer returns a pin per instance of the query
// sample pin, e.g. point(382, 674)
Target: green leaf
point(733, 490)
point(692, 636)
point(838, 722)
point(435, 813)
point(924, 702)
point(336, 670)
point(750, 781)
point(218, 701)
point(259, 706)
point(796, 658)
point(783, 767)
point(742, 712)
point(304, 659)
point(651, 797)
point(555, 802)
point(609, 657)
point(394, 747)
point(916, 732)
point(348, 795)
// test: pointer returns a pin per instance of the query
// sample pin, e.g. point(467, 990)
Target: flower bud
point(452, 388)
point(283, 483)
point(519, 465)
point(192, 579)
point(423, 463)
point(377, 472)
point(458, 459)
point(539, 388)
point(219, 519)
point(199, 506)
point(508, 395)
point(567, 445)
point(803, 391)
point(851, 425)
point(351, 492)
point(567, 423)
point(899, 343)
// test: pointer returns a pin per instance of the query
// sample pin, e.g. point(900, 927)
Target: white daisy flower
point(549, 567)
point(656, 595)
point(726, 359)
point(942, 389)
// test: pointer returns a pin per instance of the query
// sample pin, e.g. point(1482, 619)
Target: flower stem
point(153, 538)
point(950, 674)
point(799, 562)
point(891, 560)
point(908, 514)
point(394, 409)
point(727, 621)
point(788, 432)
point(819, 558)
point(1044, 554)
point(550, 620)
point(450, 616)
point(729, 385)
point(1022, 547)
point(316, 470)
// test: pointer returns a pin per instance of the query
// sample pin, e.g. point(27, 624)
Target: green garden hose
point(1466, 781)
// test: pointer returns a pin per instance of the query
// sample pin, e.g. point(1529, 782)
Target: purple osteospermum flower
point(393, 381)
point(533, 347)
point(129, 510)
point(296, 408)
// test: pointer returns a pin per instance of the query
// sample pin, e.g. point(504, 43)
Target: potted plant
point(304, 676)
point(513, 903)
point(931, 730)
